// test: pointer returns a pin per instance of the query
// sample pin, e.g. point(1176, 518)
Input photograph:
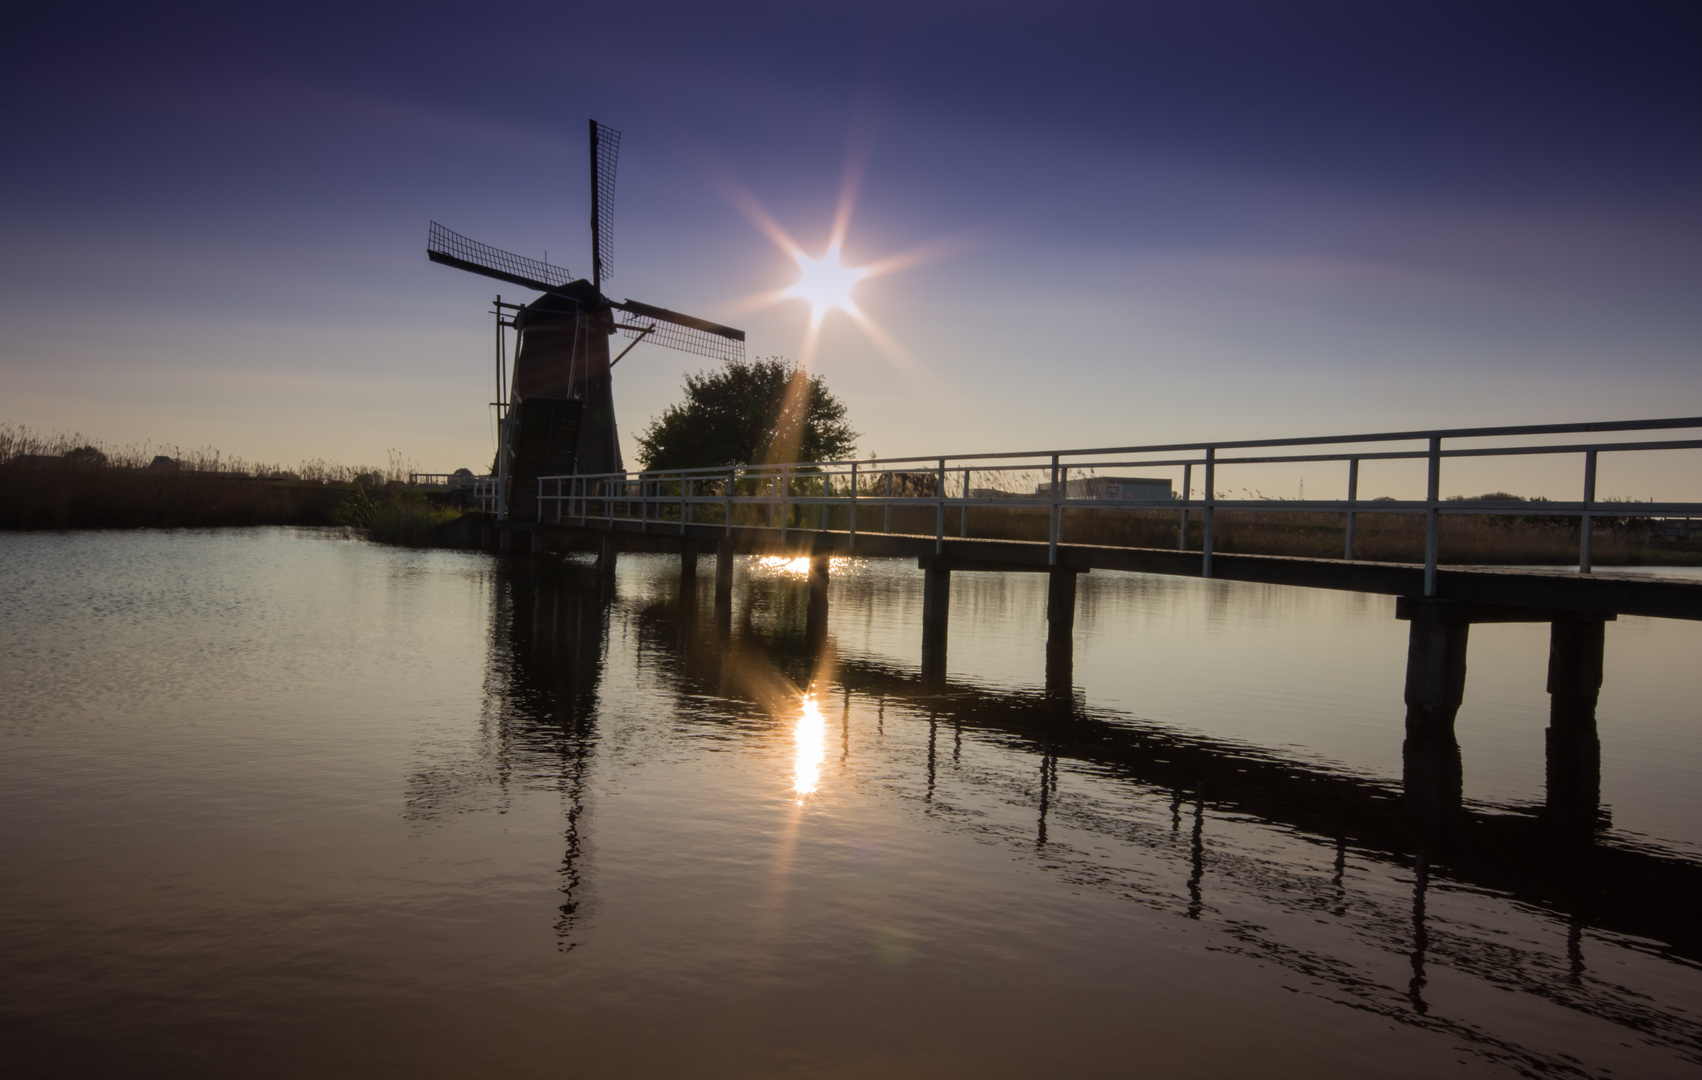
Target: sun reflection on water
point(785, 565)
point(811, 740)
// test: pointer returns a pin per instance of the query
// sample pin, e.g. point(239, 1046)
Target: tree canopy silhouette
point(748, 412)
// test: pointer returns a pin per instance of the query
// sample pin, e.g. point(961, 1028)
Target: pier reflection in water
point(672, 833)
point(1339, 878)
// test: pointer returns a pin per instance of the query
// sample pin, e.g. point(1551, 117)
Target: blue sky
point(1155, 222)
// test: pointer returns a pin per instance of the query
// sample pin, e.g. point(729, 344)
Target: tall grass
point(65, 480)
point(408, 517)
point(23, 447)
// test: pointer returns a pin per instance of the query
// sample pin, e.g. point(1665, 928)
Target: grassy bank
point(67, 481)
point(1465, 539)
point(404, 516)
point(108, 498)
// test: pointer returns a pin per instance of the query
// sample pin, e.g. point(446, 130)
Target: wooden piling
point(936, 610)
point(1572, 746)
point(688, 562)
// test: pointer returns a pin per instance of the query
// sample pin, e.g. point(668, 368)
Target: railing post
point(785, 500)
point(1208, 519)
point(727, 508)
point(1432, 517)
point(963, 515)
point(1057, 514)
point(1584, 521)
point(886, 520)
point(643, 503)
point(940, 508)
point(1187, 491)
point(1352, 497)
point(685, 501)
point(852, 523)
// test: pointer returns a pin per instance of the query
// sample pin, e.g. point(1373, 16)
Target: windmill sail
point(605, 150)
point(683, 332)
point(453, 249)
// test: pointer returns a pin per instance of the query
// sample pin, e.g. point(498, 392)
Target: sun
point(826, 283)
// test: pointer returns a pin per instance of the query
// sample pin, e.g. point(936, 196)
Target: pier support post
point(817, 616)
point(1060, 631)
point(505, 539)
point(1436, 669)
point(688, 563)
point(723, 572)
point(540, 542)
point(936, 609)
point(608, 547)
point(1574, 753)
point(1435, 686)
point(724, 588)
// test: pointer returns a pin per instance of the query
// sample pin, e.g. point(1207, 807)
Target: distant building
point(1111, 488)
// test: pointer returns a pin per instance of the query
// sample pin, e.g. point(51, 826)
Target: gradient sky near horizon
point(1147, 222)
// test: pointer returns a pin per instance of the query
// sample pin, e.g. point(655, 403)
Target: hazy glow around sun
point(826, 283)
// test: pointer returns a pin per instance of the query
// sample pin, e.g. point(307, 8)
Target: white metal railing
point(455, 481)
point(485, 493)
point(777, 496)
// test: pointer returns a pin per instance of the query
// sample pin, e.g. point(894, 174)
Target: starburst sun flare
point(826, 283)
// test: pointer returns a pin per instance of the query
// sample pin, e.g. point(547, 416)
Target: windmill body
point(556, 412)
point(562, 416)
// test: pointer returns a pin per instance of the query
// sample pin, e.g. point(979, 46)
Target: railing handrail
point(774, 484)
point(1667, 424)
point(826, 468)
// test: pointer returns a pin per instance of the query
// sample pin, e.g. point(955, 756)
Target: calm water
point(283, 803)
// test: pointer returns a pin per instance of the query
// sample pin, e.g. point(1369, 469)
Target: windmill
point(556, 414)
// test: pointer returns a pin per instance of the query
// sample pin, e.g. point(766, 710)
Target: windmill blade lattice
point(451, 248)
point(605, 150)
point(686, 333)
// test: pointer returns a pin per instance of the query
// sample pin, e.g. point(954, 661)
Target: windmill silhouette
point(556, 415)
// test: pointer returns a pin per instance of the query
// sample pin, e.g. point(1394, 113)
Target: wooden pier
point(786, 509)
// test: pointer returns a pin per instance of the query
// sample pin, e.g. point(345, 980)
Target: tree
point(749, 412)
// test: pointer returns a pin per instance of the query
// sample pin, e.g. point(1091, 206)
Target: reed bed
point(400, 516)
point(133, 499)
point(22, 447)
point(65, 480)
